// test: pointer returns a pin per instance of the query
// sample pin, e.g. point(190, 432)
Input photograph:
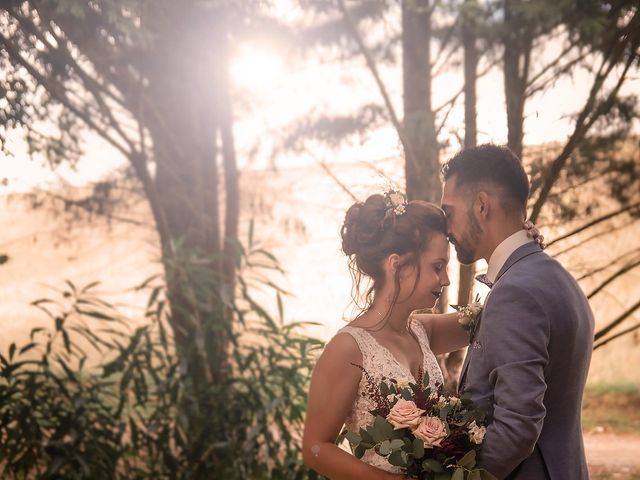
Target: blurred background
point(174, 176)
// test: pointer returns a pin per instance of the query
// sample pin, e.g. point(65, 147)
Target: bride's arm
point(334, 387)
point(444, 332)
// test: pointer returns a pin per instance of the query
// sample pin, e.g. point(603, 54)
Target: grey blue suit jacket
point(528, 363)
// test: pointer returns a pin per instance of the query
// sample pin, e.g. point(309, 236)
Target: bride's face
point(423, 288)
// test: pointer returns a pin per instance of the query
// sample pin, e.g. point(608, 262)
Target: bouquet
point(429, 435)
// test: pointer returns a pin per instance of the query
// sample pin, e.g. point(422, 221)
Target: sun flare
point(257, 68)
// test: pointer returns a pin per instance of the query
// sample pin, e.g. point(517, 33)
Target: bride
point(403, 249)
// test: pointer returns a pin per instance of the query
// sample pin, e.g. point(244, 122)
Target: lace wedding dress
point(379, 362)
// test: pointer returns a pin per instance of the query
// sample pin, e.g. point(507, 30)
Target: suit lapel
point(515, 257)
point(467, 357)
point(463, 373)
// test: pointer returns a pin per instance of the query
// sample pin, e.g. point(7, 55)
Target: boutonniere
point(468, 315)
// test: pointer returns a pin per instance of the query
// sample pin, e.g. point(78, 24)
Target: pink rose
point(405, 414)
point(431, 431)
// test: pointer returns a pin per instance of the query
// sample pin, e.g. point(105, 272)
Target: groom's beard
point(467, 246)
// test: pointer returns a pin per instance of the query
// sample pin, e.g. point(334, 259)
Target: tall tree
point(151, 79)
point(422, 160)
point(469, 14)
point(603, 37)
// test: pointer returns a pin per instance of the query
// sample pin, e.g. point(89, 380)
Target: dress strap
point(366, 343)
point(361, 337)
point(421, 333)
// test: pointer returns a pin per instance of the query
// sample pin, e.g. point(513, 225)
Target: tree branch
point(445, 41)
point(596, 221)
point(531, 82)
point(333, 176)
point(579, 184)
point(455, 97)
point(533, 89)
point(593, 237)
point(617, 335)
point(592, 111)
point(56, 90)
point(371, 165)
point(62, 48)
point(612, 277)
point(602, 332)
point(607, 265)
point(353, 29)
point(445, 118)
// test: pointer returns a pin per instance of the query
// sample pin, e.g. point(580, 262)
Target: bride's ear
point(482, 205)
point(392, 263)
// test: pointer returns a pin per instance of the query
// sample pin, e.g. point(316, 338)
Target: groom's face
point(464, 230)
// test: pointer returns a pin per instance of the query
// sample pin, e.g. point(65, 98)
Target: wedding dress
point(379, 362)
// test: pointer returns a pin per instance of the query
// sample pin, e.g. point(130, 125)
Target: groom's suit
point(528, 361)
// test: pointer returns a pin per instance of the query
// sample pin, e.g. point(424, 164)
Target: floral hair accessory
point(396, 203)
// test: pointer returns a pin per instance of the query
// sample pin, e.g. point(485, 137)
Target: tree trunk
point(192, 137)
point(466, 272)
point(517, 51)
point(190, 128)
point(422, 163)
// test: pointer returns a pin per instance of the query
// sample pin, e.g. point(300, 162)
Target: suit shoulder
point(539, 274)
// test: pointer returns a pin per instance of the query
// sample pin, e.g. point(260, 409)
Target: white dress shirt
point(503, 251)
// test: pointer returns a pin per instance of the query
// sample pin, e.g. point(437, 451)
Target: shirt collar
point(503, 251)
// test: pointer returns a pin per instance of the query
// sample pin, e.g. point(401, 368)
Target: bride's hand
point(534, 233)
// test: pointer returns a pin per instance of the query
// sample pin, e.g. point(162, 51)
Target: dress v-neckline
point(395, 359)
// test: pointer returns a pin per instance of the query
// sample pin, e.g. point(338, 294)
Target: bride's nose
point(445, 280)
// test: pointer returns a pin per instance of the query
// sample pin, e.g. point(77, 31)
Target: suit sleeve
point(516, 337)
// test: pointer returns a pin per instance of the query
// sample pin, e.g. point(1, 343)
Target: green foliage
point(102, 399)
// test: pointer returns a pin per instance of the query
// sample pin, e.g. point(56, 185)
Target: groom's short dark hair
point(492, 164)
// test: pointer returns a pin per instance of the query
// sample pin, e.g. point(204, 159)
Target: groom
point(530, 352)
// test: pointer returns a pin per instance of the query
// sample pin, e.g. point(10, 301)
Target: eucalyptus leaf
point(385, 448)
point(384, 389)
point(432, 465)
point(458, 474)
point(468, 461)
point(397, 443)
point(366, 436)
point(474, 475)
point(418, 448)
point(445, 475)
point(382, 429)
point(398, 458)
point(353, 438)
point(485, 475)
point(407, 394)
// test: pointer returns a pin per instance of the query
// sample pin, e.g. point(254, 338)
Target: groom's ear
point(482, 205)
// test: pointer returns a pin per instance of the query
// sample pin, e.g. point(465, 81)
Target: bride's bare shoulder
point(343, 347)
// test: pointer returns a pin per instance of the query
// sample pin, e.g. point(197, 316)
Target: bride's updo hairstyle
point(377, 228)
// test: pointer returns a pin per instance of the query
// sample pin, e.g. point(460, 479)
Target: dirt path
point(613, 456)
